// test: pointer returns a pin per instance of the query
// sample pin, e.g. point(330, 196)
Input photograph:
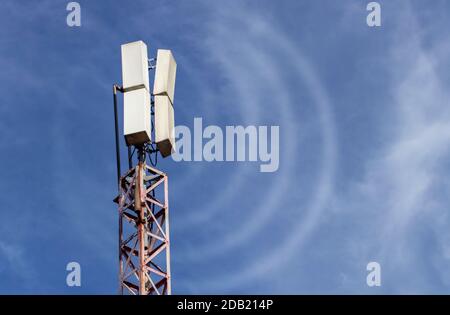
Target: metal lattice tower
point(144, 246)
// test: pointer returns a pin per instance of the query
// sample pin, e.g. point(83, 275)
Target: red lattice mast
point(144, 246)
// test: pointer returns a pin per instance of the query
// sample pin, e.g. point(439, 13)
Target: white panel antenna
point(166, 70)
point(164, 125)
point(164, 91)
point(135, 66)
point(137, 120)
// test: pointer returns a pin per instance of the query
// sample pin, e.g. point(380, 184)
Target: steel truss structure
point(144, 246)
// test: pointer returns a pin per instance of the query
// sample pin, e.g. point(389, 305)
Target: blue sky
point(365, 139)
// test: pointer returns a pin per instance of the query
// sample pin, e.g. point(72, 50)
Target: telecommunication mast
point(148, 129)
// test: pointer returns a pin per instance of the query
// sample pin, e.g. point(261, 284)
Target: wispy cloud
point(404, 193)
point(257, 67)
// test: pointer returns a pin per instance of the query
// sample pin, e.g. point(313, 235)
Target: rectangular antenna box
point(166, 70)
point(136, 97)
point(164, 125)
point(137, 120)
point(135, 66)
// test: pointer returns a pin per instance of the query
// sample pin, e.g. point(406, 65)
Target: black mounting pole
point(116, 126)
point(141, 153)
point(130, 161)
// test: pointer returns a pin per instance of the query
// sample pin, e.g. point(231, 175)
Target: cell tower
point(144, 243)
